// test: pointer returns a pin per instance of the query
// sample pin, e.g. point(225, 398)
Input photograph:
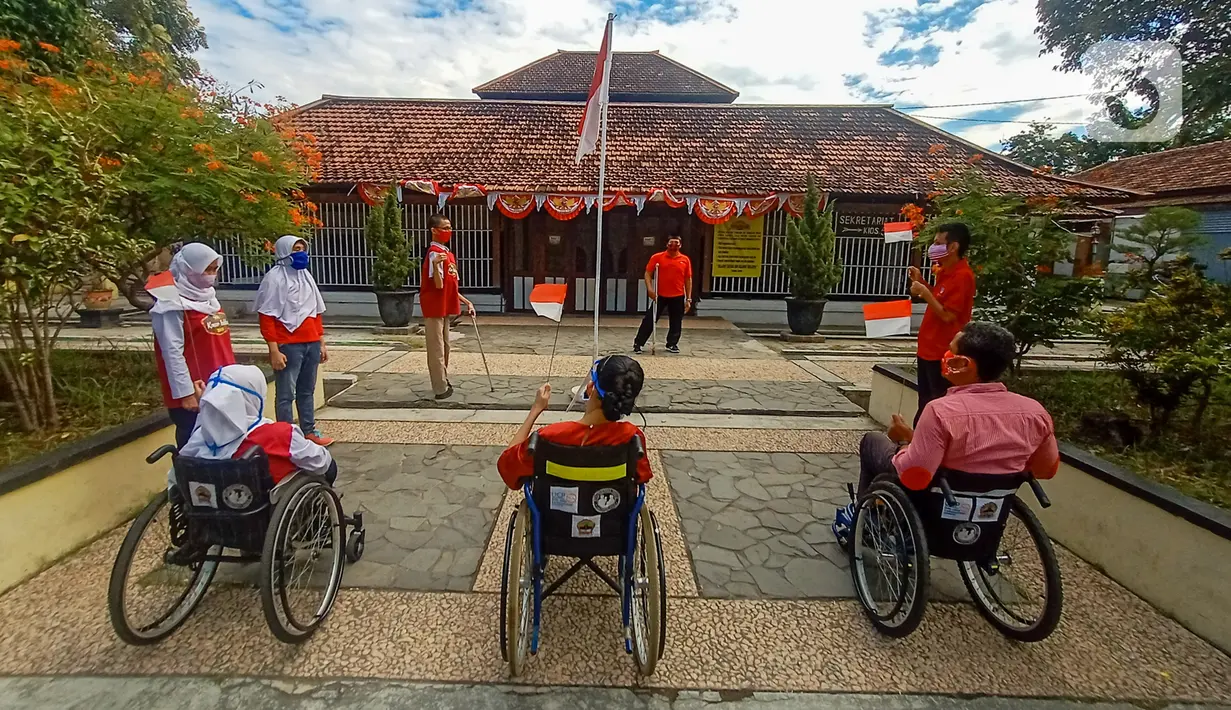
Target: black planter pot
point(396, 307)
point(804, 317)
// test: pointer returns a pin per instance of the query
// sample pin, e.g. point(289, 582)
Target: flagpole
point(602, 180)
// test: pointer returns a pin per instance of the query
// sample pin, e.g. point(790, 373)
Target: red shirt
point(517, 464)
point(955, 289)
point(310, 330)
point(673, 273)
point(439, 302)
point(207, 347)
point(275, 438)
point(981, 428)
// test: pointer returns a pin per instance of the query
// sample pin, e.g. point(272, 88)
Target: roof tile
point(1195, 167)
point(635, 76)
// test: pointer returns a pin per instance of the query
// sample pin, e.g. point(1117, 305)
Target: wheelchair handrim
point(172, 615)
point(639, 592)
point(984, 586)
point(325, 509)
point(907, 574)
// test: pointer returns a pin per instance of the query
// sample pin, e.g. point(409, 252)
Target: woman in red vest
point(231, 422)
point(192, 337)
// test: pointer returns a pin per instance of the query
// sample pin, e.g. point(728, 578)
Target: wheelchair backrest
point(584, 495)
point(970, 529)
point(226, 501)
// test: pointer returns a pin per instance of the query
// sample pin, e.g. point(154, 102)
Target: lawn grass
point(1197, 465)
point(96, 390)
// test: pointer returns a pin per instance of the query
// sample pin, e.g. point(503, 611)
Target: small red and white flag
point(899, 232)
point(599, 85)
point(881, 320)
point(548, 300)
point(162, 287)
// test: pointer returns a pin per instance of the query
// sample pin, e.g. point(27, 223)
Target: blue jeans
point(293, 384)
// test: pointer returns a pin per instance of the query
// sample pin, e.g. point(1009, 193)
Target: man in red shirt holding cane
point(672, 293)
point(440, 300)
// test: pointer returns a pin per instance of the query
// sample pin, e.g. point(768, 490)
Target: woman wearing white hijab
point(192, 337)
point(290, 308)
point(231, 422)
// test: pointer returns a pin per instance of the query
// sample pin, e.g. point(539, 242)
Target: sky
point(909, 53)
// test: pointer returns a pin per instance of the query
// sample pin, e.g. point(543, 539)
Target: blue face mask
point(299, 259)
point(216, 380)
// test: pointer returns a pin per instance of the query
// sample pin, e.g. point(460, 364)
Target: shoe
point(446, 394)
point(316, 438)
point(636, 349)
point(673, 349)
point(843, 521)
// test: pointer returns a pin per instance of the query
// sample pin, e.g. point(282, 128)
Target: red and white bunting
point(427, 187)
point(662, 194)
point(794, 204)
point(371, 193)
point(758, 206)
point(713, 210)
point(617, 200)
point(564, 207)
point(515, 206)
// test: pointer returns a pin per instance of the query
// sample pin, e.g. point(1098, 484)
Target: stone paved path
point(385, 391)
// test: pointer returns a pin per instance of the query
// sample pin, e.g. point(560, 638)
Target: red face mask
point(951, 361)
point(673, 248)
point(442, 235)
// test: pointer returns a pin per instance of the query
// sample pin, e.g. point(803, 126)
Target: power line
point(996, 120)
point(996, 103)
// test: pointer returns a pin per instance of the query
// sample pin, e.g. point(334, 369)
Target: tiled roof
point(1197, 167)
point(635, 76)
point(737, 149)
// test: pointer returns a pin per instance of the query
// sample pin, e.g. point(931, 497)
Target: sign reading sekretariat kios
point(738, 247)
point(861, 223)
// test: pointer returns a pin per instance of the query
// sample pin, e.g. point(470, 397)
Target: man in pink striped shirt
point(978, 427)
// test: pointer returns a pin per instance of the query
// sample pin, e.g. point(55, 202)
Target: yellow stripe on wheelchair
point(586, 473)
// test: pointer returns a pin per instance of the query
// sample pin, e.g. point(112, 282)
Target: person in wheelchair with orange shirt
point(611, 394)
point(979, 426)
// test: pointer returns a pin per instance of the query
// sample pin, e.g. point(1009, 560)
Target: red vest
point(439, 302)
point(207, 347)
point(275, 438)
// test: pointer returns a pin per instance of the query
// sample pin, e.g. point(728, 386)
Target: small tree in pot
point(393, 265)
point(810, 262)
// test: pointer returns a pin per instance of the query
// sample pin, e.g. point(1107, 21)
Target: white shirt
point(169, 331)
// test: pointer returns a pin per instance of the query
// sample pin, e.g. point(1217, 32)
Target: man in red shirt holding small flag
point(951, 303)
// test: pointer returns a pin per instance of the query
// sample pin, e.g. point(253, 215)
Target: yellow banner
point(738, 247)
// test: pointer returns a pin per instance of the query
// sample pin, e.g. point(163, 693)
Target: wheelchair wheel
point(303, 559)
point(890, 564)
point(1019, 590)
point(517, 591)
point(649, 590)
point(149, 596)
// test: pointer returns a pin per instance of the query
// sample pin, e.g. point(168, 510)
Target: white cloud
point(772, 51)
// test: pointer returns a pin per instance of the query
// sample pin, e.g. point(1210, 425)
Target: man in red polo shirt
point(673, 294)
point(440, 300)
point(950, 305)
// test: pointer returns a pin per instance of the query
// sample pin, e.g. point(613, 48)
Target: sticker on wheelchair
point(606, 500)
point(564, 499)
point(586, 525)
point(987, 510)
point(966, 534)
point(960, 510)
point(237, 496)
point(204, 495)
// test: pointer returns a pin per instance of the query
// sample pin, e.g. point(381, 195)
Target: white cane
point(475, 322)
point(654, 314)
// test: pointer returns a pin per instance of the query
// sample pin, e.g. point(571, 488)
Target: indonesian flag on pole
point(599, 85)
point(899, 232)
point(888, 318)
point(162, 287)
point(548, 300)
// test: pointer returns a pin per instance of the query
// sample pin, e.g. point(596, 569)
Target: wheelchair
point(1004, 557)
point(174, 547)
point(584, 503)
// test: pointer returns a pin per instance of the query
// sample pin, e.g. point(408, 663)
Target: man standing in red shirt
point(440, 300)
point(950, 305)
point(673, 294)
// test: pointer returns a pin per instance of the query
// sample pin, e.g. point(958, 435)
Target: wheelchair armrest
point(533, 442)
point(639, 447)
point(162, 451)
point(1038, 492)
point(251, 453)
